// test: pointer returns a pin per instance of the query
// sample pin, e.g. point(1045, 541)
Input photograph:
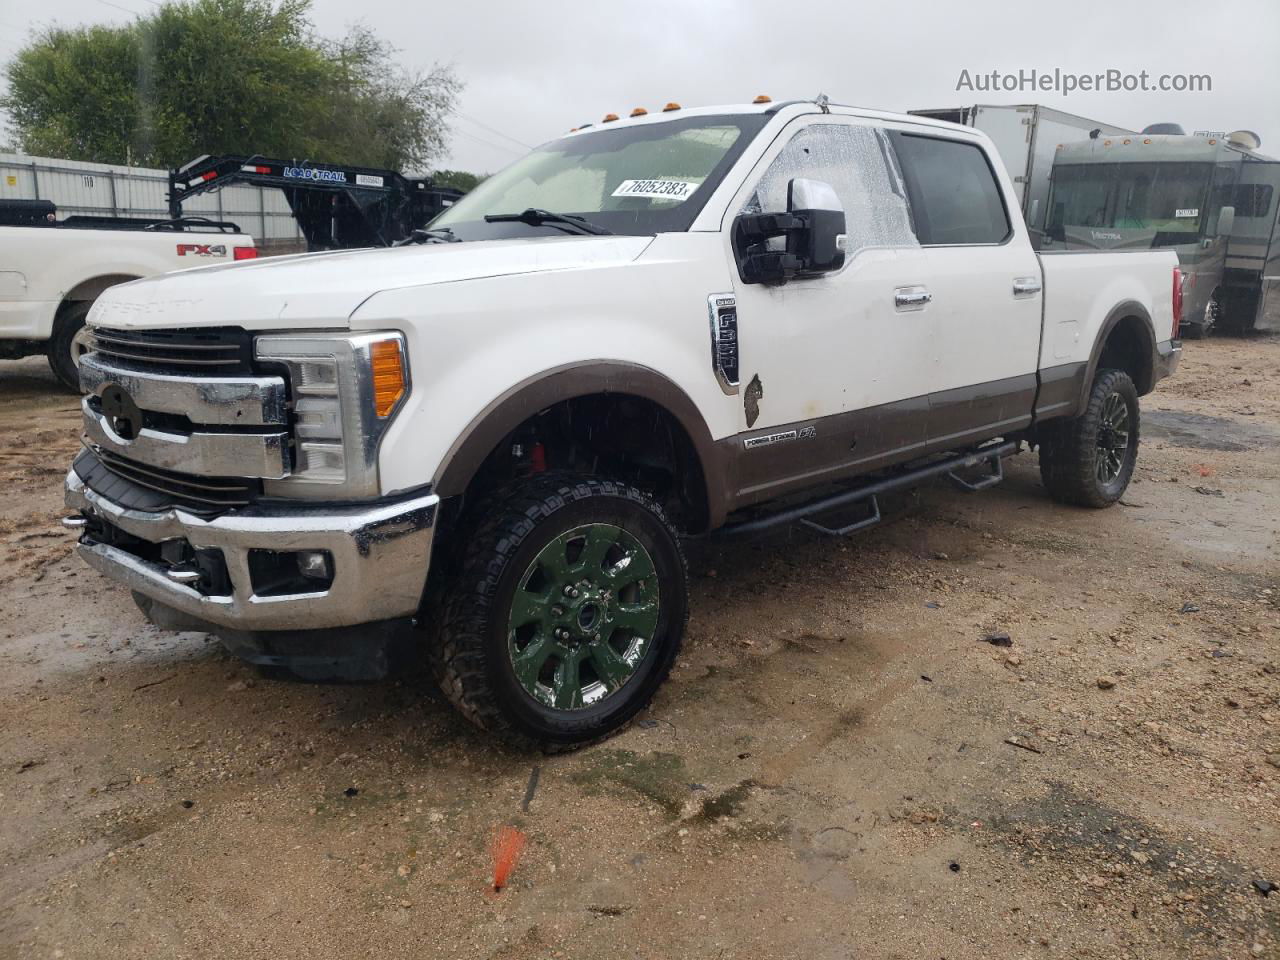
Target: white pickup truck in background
point(490, 442)
point(51, 271)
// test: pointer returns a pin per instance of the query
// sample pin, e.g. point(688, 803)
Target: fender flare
point(1121, 311)
point(570, 382)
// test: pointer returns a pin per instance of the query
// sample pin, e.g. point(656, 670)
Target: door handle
point(908, 297)
point(1026, 286)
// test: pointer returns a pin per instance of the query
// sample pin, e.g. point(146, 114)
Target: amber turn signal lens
point(387, 362)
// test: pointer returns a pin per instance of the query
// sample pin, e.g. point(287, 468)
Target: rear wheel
point(1208, 321)
point(567, 612)
point(1089, 460)
point(70, 341)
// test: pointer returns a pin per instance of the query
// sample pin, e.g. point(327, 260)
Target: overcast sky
point(535, 68)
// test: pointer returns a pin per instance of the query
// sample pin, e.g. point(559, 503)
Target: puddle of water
point(1205, 432)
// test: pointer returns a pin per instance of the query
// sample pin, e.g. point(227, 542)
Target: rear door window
point(955, 198)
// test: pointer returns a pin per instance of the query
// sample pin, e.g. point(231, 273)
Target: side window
point(954, 194)
point(856, 162)
point(1252, 199)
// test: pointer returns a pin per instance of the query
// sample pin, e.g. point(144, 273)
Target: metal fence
point(99, 189)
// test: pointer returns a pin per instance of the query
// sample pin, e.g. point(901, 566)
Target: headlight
point(346, 391)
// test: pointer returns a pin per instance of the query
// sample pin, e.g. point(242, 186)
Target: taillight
point(244, 253)
point(1177, 303)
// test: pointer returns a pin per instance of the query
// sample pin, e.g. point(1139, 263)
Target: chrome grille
point(210, 350)
point(199, 494)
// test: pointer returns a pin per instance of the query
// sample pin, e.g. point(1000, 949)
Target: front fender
point(489, 353)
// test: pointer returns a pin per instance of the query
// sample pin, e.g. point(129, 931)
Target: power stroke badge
point(781, 436)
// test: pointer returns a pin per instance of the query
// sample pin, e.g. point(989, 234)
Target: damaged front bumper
point(240, 570)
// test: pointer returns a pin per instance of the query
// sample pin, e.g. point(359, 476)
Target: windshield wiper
point(438, 235)
point(536, 218)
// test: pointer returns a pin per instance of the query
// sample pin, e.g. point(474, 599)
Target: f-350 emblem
point(121, 412)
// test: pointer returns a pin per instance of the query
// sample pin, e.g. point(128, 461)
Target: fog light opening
point(288, 572)
point(315, 564)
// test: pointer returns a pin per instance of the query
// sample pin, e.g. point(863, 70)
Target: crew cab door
point(986, 288)
point(835, 369)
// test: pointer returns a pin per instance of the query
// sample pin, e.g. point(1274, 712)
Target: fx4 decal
point(202, 249)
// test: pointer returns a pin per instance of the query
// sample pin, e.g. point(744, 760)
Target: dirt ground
point(840, 767)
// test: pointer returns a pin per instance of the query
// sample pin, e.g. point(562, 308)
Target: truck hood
point(324, 289)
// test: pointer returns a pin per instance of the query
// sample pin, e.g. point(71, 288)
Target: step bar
point(868, 493)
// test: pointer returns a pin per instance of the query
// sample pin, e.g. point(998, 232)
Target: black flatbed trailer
point(44, 213)
point(336, 206)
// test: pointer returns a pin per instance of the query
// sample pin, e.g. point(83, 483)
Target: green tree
point(460, 179)
point(225, 76)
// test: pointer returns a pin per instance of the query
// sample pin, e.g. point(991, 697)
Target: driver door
point(835, 369)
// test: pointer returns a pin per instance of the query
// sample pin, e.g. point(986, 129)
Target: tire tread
point(507, 517)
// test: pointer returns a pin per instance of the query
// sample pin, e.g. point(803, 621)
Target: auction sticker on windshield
point(658, 189)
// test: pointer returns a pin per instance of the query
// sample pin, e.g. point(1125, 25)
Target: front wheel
point(567, 612)
point(1089, 460)
point(70, 341)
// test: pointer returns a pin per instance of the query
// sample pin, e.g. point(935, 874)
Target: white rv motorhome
point(1212, 200)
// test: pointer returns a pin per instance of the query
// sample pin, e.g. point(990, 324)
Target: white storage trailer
point(1027, 137)
point(78, 188)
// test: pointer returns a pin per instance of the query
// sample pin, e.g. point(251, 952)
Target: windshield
point(638, 180)
point(1146, 204)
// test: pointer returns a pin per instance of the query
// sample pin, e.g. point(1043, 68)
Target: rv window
point(1165, 200)
point(954, 195)
point(1252, 199)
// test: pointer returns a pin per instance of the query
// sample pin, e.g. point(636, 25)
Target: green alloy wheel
point(583, 616)
point(567, 612)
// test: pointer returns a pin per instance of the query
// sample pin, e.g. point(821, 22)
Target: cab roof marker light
point(1127, 140)
point(639, 112)
point(763, 98)
point(671, 106)
point(609, 118)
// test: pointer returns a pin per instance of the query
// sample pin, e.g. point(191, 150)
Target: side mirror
point(812, 232)
point(1226, 222)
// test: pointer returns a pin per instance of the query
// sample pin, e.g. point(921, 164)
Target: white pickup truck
point(51, 271)
point(651, 328)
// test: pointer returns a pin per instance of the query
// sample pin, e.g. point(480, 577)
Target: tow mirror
point(811, 232)
point(1226, 221)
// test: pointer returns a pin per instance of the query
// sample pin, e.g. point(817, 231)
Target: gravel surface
point(848, 761)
